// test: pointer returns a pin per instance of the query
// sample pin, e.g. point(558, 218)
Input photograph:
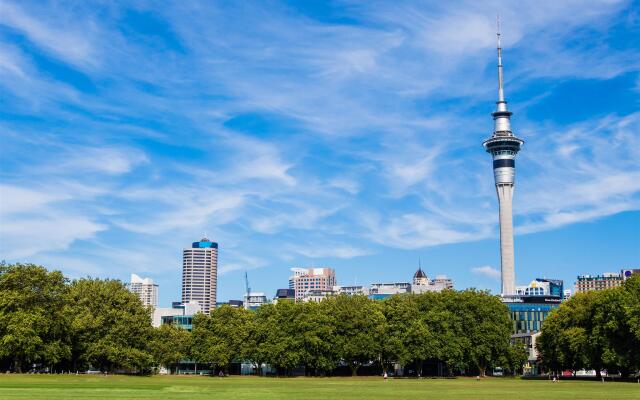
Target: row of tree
point(465, 331)
point(595, 330)
point(47, 320)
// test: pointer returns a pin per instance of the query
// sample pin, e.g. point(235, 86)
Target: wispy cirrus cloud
point(288, 134)
point(487, 271)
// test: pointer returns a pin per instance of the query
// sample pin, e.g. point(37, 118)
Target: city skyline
point(305, 134)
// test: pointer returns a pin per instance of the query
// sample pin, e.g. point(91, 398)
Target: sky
point(296, 133)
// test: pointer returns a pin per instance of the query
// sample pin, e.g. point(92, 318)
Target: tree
point(359, 327)
point(514, 358)
point(316, 329)
point(110, 328)
point(32, 326)
point(632, 288)
point(409, 338)
point(169, 345)
point(487, 325)
point(283, 347)
point(613, 331)
point(593, 330)
point(220, 338)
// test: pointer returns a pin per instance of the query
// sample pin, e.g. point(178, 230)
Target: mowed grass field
point(68, 387)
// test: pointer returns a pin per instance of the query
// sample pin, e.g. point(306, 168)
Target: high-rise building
point(503, 146)
point(145, 289)
point(200, 274)
point(306, 280)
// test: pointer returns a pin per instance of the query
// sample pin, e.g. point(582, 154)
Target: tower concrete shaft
point(503, 147)
point(507, 257)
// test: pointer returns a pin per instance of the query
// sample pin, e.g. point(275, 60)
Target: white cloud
point(70, 46)
point(488, 271)
point(330, 250)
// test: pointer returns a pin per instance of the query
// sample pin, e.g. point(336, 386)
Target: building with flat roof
point(317, 296)
point(253, 300)
point(146, 290)
point(380, 291)
point(200, 274)
point(177, 310)
point(542, 287)
point(607, 280)
point(306, 280)
point(354, 290)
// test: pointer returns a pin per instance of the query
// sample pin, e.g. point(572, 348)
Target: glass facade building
point(181, 321)
point(528, 313)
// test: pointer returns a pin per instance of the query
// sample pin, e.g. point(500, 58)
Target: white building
point(355, 290)
point(535, 288)
point(382, 290)
point(191, 308)
point(317, 296)
point(254, 300)
point(421, 283)
point(146, 290)
point(200, 274)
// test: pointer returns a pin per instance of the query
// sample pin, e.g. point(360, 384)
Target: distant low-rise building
point(542, 287)
point(253, 300)
point(178, 310)
point(608, 280)
point(317, 296)
point(354, 290)
point(422, 284)
point(626, 273)
point(380, 291)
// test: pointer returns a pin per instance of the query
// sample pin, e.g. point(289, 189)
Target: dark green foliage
point(32, 325)
point(595, 330)
point(169, 345)
point(109, 327)
point(49, 321)
point(220, 338)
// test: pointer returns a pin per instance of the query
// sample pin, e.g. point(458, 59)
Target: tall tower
point(503, 146)
point(200, 274)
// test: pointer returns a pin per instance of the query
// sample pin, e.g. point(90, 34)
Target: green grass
point(69, 387)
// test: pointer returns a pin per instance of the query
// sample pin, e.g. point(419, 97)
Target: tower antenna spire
point(500, 78)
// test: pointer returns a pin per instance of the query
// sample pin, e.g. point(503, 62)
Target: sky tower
point(503, 146)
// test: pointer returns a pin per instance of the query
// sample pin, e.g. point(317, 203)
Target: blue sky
point(345, 134)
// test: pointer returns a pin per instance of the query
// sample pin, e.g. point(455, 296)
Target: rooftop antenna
point(500, 83)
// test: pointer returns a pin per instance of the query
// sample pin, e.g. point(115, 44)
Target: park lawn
point(69, 387)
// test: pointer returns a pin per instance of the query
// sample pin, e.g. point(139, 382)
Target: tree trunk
point(598, 373)
point(483, 370)
point(17, 367)
point(354, 370)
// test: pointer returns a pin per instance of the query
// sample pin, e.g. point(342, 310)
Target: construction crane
point(246, 283)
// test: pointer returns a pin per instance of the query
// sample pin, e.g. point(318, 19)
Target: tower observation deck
point(503, 146)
